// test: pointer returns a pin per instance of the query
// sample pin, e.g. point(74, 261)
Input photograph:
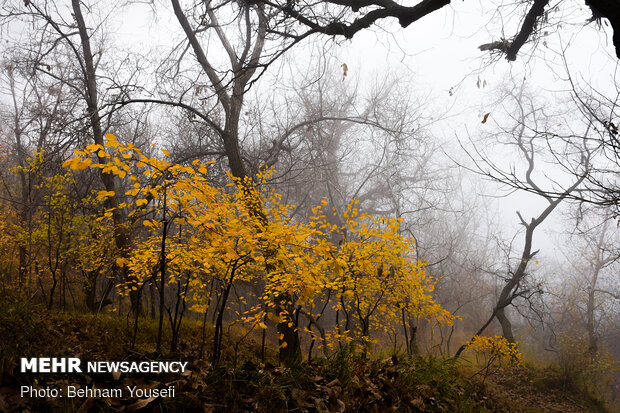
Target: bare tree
point(597, 250)
point(39, 111)
point(526, 134)
point(68, 49)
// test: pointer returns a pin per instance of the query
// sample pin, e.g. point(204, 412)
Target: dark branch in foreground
point(383, 9)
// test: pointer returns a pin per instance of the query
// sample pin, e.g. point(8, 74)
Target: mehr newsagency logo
point(75, 365)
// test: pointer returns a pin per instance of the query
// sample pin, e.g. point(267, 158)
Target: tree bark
point(121, 238)
point(231, 97)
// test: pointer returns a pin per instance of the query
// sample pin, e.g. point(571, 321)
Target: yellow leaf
point(231, 255)
point(77, 163)
point(111, 141)
point(68, 163)
point(133, 192)
point(103, 195)
point(93, 147)
point(166, 153)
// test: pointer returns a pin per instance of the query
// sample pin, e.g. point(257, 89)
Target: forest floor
point(242, 383)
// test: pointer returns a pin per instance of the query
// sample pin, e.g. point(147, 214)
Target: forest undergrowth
point(243, 381)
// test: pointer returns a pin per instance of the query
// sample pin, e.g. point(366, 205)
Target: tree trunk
point(505, 323)
point(121, 237)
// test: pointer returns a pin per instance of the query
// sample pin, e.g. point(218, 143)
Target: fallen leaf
point(87, 405)
point(334, 382)
point(140, 404)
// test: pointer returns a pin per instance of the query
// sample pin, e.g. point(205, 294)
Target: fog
point(502, 173)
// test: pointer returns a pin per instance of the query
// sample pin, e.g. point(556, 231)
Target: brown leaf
point(334, 382)
point(300, 398)
point(116, 374)
point(336, 405)
point(486, 116)
point(320, 406)
point(140, 404)
point(417, 403)
point(87, 405)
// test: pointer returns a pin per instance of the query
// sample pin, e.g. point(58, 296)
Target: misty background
point(417, 123)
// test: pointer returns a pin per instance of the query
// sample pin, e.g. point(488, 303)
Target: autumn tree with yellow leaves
point(197, 242)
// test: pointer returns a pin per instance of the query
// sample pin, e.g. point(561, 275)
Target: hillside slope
point(242, 382)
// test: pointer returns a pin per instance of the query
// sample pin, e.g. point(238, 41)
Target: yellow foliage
point(245, 235)
point(496, 350)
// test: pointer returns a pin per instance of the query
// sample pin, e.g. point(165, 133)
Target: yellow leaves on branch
point(77, 163)
point(111, 141)
point(103, 195)
point(496, 350)
point(121, 262)
point(245, 235)
point(375, 271)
